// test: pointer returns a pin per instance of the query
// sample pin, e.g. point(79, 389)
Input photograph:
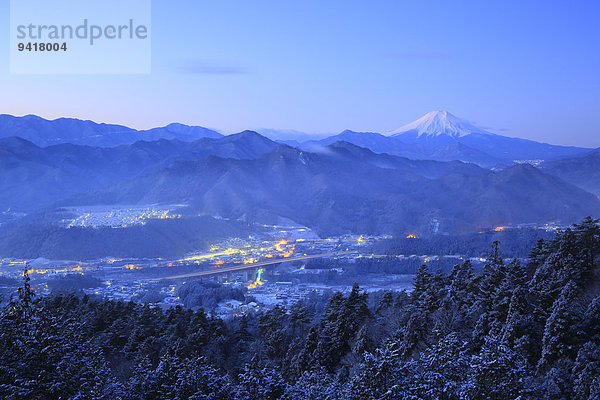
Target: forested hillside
point(514, 331)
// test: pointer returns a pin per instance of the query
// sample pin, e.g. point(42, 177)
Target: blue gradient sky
point(529, 69)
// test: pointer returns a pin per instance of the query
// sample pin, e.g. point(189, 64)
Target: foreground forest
point(514, 331)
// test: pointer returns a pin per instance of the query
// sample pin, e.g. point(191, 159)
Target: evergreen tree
point(590, 323)
point(314, 385)
point(299, 317)
point(558, 338)
point(494, 273)
point(386, 301)
point(378, 373)
point(497, 372)
point(261, 383)
point(520, 331)
point(444, 369)
point(461, 285)
point(272, 325)
point(586, 371)
point(422, 291)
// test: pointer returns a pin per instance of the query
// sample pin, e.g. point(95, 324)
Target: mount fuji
point(439, 128)
point(439, 124)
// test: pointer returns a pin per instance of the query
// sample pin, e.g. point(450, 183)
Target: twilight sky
point(528, 69)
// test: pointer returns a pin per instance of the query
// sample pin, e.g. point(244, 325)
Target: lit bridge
point(252, 266)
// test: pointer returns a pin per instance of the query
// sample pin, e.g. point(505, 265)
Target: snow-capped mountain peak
point(437, 123)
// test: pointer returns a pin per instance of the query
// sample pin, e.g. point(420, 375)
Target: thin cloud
point(490, 128)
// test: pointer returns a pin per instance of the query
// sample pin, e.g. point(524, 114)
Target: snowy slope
point(437, 123)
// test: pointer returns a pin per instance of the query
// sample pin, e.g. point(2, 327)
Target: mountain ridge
point(45, 132)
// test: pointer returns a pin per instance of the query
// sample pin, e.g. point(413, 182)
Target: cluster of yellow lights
point(285, 252)
point(499, 228)
point(283, 249)
point(131, 267)
point(36, 271)
point(280, 244)
point(225, 252)
point(166, 215)
point(411, 236)
point(77, 268)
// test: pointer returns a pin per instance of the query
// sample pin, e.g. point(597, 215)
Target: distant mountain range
point(442, 136)
point(44, 132)
point(438, 135)
point(362, 182)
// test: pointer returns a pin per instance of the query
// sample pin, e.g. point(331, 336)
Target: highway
point(251, 266)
